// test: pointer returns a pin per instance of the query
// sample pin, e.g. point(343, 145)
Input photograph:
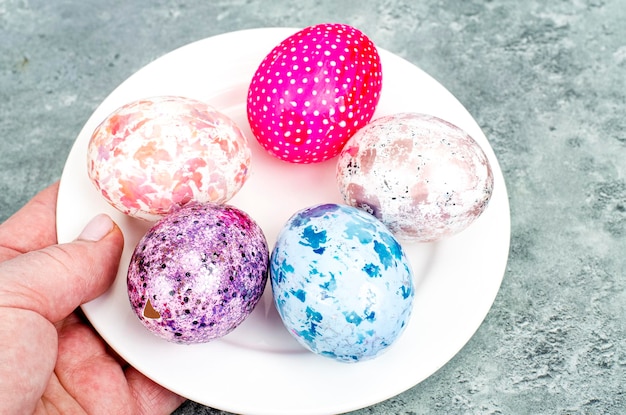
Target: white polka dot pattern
point(313, 91)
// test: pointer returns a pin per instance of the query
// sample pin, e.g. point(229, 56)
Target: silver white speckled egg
point(422, 176)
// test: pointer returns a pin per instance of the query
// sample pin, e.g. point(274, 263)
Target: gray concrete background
point(545, 80)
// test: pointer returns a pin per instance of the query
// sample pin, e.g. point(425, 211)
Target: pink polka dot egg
point(153, 155)
point(313, 91)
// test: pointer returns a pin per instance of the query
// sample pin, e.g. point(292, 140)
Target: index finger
point(32, 227)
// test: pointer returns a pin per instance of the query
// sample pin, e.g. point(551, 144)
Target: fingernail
point(97, 228)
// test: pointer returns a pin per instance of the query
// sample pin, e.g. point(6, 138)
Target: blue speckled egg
point(342, 283)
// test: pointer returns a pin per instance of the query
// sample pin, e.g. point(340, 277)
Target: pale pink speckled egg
point(423, 177)
point(313, 91)
point(154, 155)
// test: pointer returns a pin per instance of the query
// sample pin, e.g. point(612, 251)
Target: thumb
point(53, 281)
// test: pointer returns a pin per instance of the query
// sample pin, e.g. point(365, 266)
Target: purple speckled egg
point(423, 177)
point(313, 91)
point(198, 273)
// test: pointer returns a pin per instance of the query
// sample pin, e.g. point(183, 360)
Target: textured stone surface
point(545, 80)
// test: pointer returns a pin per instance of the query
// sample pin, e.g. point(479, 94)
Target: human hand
point(51, 360)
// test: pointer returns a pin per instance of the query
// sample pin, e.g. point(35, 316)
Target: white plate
point(259, 368)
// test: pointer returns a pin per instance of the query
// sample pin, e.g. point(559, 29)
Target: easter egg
point(423, 177)
point(198, 273)
point(313, 91)
point(154, 155)
point(342, 283)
